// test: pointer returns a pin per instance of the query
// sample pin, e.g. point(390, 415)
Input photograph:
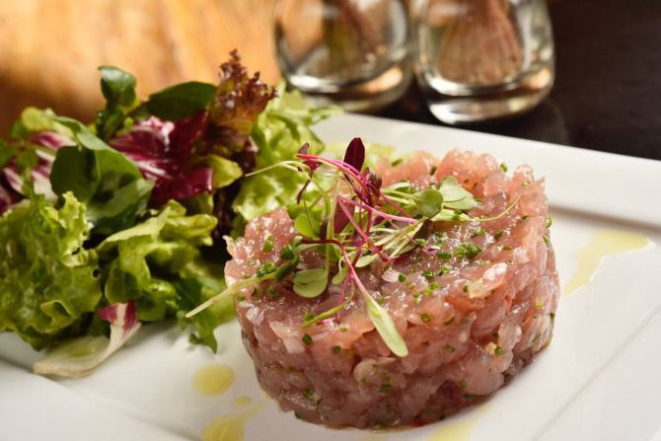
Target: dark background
point(607, 93)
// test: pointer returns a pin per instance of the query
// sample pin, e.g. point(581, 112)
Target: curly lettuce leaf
point(48, 281)
point(280, 131)
point(155, 262)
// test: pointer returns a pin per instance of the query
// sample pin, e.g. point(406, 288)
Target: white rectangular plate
point(599, 379)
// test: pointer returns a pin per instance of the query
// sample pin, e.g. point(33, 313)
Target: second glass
point(478, 60)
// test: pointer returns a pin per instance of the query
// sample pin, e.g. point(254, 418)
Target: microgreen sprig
point(343, 213)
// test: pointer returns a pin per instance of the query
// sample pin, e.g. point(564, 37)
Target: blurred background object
point(50, 49)
point(352, 52)
point(478, 60)
point(605, 94)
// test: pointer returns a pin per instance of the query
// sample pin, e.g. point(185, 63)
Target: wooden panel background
point(50, 49)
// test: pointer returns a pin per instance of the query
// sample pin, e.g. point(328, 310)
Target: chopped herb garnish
point(267, 268)
point(547, 241)
point(425, 317)
point(498, 234)
point(336, 349)
point(401, 277)
point(468, 396)
point(444, 270)
point(428, 274)
point(385, 388)
point(468, 249)
point(504, 167)
point(462, 383)
point(449, 348)
point(307, 316)
point(307, 339)
point(268, 244)
point(364, 381)
point(525, 184)
point(549, 222)
point(479, 232)
point(465, 288)
point(498, 351)
point(443, 255)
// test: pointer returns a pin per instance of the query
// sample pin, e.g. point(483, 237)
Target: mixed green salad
point(108, 225)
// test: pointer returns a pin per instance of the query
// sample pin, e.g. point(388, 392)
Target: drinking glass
point(351, 52)
point(478, 60)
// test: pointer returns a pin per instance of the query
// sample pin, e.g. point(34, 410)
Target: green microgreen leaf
point(366, 260)
point(385, 326)
point(310, 283)
point(307, 226)
point(429, 202)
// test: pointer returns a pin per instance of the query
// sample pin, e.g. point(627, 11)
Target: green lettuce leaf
point(158, 263)
point(181, 101)
point(280, 131)
point(105, 180)
point(48, 281)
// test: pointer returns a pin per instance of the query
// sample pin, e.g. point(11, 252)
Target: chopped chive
point(428, 274)
point(417, 297)
point(307, 339)
point(507, 248)
point(268, 268)
point(498, 351)
point(443, 255)
point(468, 396)
point(449, 348)
point(444, 270)
point(268, 244)
point(547, 241)
point(433, 286)
point(525, 184)
point(336, 350)
point(498, 234)
point(401, 277)
point(240, 298)
point(462, 383)
point(479, 232)
point(364, 381)
point(504, 167)
point(420, 242)
point(307, 316)
point(396, 162)
point(549, 222)
point(385, 389)
point(288, 253)
point(425, 317)
point(343, 329)
point(468, 249)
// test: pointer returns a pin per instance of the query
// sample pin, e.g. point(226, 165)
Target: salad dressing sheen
point(601, 244)
point(214, 379)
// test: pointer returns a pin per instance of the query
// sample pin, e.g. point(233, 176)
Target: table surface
point(607, 94)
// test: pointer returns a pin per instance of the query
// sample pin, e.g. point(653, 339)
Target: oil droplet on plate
point(243, 401)
point(230, 427)
point(460, 429)
point(214, 379)
point(601, 244)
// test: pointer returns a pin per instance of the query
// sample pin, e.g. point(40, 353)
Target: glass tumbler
point(351, 52)
point(479, 60)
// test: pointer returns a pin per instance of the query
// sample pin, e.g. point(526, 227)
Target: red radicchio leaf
point(161, 150)
point(123, 315)
point(81, 356)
